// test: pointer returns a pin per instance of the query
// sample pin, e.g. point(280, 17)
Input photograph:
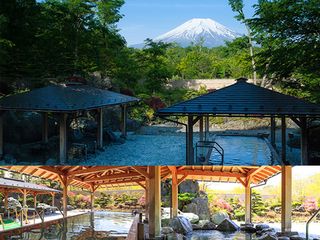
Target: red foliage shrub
point(155, 103)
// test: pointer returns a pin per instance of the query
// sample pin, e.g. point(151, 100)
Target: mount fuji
point(196, 30)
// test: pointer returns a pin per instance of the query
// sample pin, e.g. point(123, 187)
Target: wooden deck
point(33, 224)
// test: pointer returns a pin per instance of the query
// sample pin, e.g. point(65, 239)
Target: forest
point(49, 41)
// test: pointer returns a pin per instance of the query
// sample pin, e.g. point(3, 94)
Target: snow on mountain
point(195, 30)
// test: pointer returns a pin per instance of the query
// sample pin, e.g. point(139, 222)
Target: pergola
point(65, 100)
point(8, 186)
point(243, 99)
point(149, 178)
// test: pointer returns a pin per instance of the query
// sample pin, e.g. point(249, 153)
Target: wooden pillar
point(92, 201)
point(147, 202)
point(6, 200)
point(100, 128)
point(304, 142)
point(35, 201)
point(64, 183)
point(207, 128)
point(154, 202)
point(124, 120)
point(273, 132)
point(45, 134)
point(174, 193)
point(190, 156)
point(52, 200)
point(201, 129)
point(24, 197)
point(247, 203)
point(63, 137)
point(1, 134)
point(286, 198)
point(283, 141)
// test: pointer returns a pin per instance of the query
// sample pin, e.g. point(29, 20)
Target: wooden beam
point(113, 176)
point(45, 134)
point(141, 171)
point(242, 182)
point(207, 128)
point(100, 128)
point(155, 202)
point(180, 180)
point(64, 183)
point(210, 173)
point(283, 141)
point(141, 185)
point(63, 138)
point(286, 198)
point(91, 170)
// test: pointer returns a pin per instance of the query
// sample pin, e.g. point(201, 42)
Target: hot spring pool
point(171, 150)
point(97, 225)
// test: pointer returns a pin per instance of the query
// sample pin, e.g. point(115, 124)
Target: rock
point(218, 217)
point(14, 204)
point(296, 237)
point(209, 226)
point(283, 238)
point(196, 227)
point(181, 225)
point(193, 218)
point(227, 226)
point(267, 237)
point(52, 162)
point(286, 234)
point(174, 236)
point(200, 207)
point(260, 227)
point(166, 230)
point(247, 227)
point(189, 186)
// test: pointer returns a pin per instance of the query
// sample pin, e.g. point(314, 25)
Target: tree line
point(60, 38)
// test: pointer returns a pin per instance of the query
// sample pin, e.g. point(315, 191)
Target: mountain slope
point(196, 30)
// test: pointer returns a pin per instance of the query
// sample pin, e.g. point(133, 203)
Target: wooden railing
point(136, 231)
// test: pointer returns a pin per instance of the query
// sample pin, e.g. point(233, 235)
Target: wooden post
point(247, 203)
point(63, 137)
point(124, 120)
point(92, 201)
point(286, 198)
point(52, 200)
point(304, 142)
point(100, 128)
point(155, 202)
point(190, 157)
point(174, 193)
point(273, 132)
point(45, 135)
point(283, 141)
point(5, 200)
point(207, 128)
point(147, 202)
point(201, 129)
point(35, 200)
point(64, 183)
point(1, 134)
point(24, 197)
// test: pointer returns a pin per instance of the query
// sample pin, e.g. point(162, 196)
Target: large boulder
point(189, 186)
point(209, 226)
point(14, 204)
point(200, 207)
point(181, 225)
point(218, 217)
point(227, 226)
point(267, 237)
point(263, 226)
point(193, 218)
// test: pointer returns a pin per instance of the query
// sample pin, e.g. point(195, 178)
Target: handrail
point(212, 145)
point(309, 221)
point(60, 211)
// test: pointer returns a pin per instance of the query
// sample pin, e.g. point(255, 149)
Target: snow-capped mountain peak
point(195, 30)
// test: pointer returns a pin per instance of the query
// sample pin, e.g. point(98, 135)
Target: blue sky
point(150, 18)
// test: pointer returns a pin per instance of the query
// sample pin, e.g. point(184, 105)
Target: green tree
point(258, 206)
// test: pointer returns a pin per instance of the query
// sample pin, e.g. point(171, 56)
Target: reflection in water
point(97, 225)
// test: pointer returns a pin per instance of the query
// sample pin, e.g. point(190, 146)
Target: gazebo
point(243, 99)
point(65, 100)
point(150, 178)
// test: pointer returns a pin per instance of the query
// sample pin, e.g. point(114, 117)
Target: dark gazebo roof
point(243, 98)
point(64, 98)
point(13, 184)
